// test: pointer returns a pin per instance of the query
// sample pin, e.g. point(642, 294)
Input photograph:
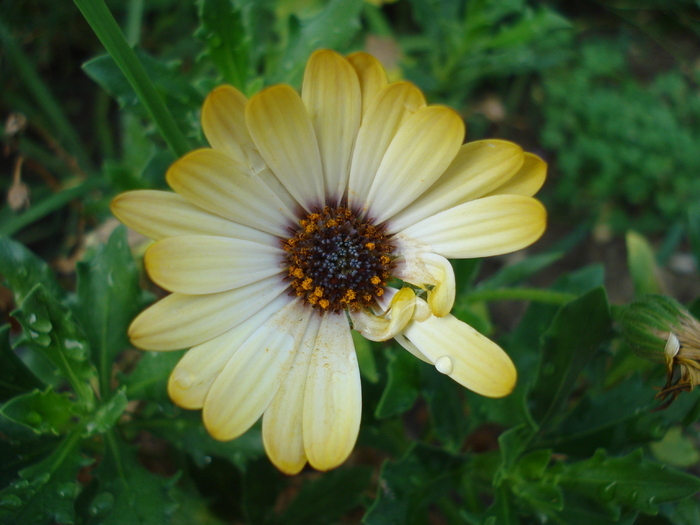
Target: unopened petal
point(199, 264)
point(331, 93)
point(333, 398)
point(249, 381)
point(371, 74)
point(459, 351)
point(527, 180)
point(383, 328)
point(284, 135)
point(478, 168)
point(490, 226)
point(212, 180)
point(431, 271)
point(282, 427)
point(419, 153)
point(181, 321)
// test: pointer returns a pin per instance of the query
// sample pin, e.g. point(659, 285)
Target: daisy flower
point(312, 215)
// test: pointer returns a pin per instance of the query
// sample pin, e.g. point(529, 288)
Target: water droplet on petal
point(444, 365)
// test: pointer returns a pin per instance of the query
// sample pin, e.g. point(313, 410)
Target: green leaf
point(408, 486)
point(676, 449)
point(15, 377)
point(128, 494)
point(332, 28)
point(50, 330)
point(571, 342)
point(365, 358)
point(22, 270)
point(629, 482)
point(642, 265)
point(402, 385)
point(518, 272)
point(694, 231)
point(108, 297)
point(446, 405)
point(44, 412)
point(107, 415)
point(228, 44)
point(45, 492)
point(328, 498)
point(149, 380)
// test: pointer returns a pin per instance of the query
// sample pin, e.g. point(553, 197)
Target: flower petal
point(249, 381)
point(422, 149)
point(199, 264)
point(331, 93)
point(282, 427)
point(389, 109)
point(471, 359)
point(383, 328)
point(481, 228)
point(433, 271)
point(333, 398)
point(223, 123)
point(212, 180)
point(527, 181)
point(194, 374)
point(181, 321)
point(284, 135)
point(160, 214)
point(478, 168)
point(371, 74)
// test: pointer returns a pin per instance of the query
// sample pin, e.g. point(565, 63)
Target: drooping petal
point(282, 427)
point(481, 228)
point(421, 150)
point(478, 168)
point(181, 321)
point(198, 264)
point(249, 381)
point(389, 109)
point(333, 398)
point(284, 135)
point(459, 351)
point(371, 74)
point(194, 374)
point(160, 214)
point(383, 328)
point(210, 179)
point(432, 271)
point(331, 93)
point(527, 181)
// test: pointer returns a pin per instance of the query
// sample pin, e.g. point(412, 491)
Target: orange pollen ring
point(336, 261)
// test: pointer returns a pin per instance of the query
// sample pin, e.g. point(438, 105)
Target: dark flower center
point(337, 261)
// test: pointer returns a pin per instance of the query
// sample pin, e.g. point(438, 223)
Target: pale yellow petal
point(331, 93)
point(160, 214)
point(249, 381)
point(420, 152)
point(284, 135)
point(411, 348)
point(481, 228)
point(181, 321)
point(397, 316)
point(478, 168)
point(459, 351)
point(282, 427)
point(371, 74)
point(389, 109)
point(194, 374)
point(223, 123)
point(433, 272)
point(333, 398)
point(212, 180)
point(528, 180)
point(199, 264)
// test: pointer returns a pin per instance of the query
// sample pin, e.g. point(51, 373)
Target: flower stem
point(105, 27)
point(520, 294)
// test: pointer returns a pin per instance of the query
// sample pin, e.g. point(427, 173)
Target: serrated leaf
point(22, 270)
point(108, 297)
point(107, 415)
point(402, 385)
point(571, 342)
point(15, 377)
point(128, 494)
point(51, 330)
point(642, 265)
point(406, 487)
point(332, 28)
point(328, 498)
point(45, 492)
point(149, 380)
point(629, 482)
point(44, 412)
point(228, 44)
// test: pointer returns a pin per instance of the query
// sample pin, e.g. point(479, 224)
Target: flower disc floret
point(337, 261)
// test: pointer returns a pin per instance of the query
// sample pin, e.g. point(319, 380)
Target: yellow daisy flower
point(287, 233)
